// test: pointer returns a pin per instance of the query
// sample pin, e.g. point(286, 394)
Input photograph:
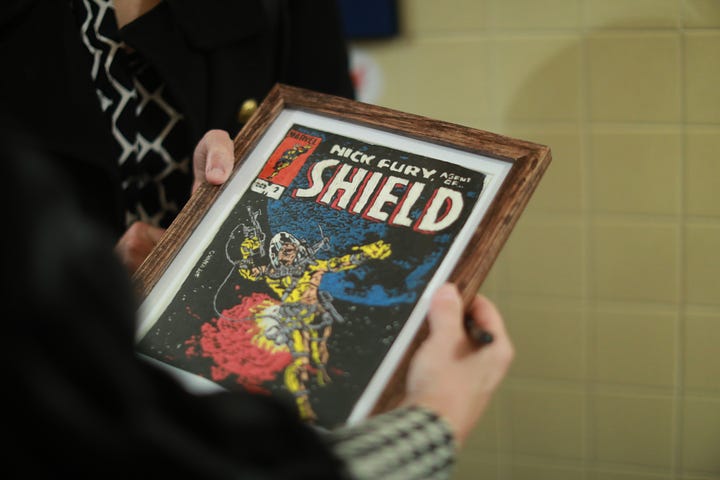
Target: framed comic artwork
point(308, 274)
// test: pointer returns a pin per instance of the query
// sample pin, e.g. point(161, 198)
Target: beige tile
point(702, 77)
point(531, 14)
point(503, 398)
point(420, 17)
point(497, 277)
point(634, 347)
point(632, 14)
point(484, 437)
point(484, 121)
point(380, 71)
point(702, 352)
point(415, 77)
point(450, 77)
point(635, 171)
point(633, 430)
point(396, 62)
point(627, 475)
point(545, 258)
point(634, 77)
point(536, 78)
point(472, 467)
point(549, 341)
point(547, 423)
point(701, 435)
point(701, 13)
point(634, 262)
point(561, 187)
point(545, 472)
point(490, 286)
point(699, 476)
point(702, 264)
point(702, 170)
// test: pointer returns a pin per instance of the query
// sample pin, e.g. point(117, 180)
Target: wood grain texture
point(529, 162)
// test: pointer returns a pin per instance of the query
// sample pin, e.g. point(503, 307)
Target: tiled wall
point(610, 283)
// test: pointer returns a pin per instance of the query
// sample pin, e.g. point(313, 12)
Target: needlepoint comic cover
point(305, 286)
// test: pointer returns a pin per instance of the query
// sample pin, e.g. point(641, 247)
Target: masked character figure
point(303, 317)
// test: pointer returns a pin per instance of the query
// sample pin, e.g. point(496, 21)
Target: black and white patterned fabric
point(410, 443)
point(150, 140)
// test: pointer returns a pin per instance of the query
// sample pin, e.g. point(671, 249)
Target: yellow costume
point(303, 319)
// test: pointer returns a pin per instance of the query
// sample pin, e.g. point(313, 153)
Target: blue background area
point(369, 18)
point(346, 231)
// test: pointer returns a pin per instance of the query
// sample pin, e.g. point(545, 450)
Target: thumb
point(446, 309)
point(213, 158)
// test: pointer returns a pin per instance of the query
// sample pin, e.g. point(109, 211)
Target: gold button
point(246, 110)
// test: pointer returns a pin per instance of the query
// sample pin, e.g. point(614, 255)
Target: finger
point(213, 158)
point(220, 159)
point(445, 312)
point(486, 315)
point(136, 243)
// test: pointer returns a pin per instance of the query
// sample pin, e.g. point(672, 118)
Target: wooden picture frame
point(375, 185)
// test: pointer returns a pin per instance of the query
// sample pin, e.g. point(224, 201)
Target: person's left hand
point(213, 158)
point(136, 244)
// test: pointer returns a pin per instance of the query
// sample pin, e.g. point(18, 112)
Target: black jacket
point(77, 401)
point(212, 54)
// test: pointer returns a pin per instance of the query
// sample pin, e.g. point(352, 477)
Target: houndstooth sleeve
point(410, 443)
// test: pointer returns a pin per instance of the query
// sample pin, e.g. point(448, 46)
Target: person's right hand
point(136, 243)
point(449, 374)
point(213, 160)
